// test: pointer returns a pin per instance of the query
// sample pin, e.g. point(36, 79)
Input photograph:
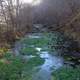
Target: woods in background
point(17, 18)
point(13, 20)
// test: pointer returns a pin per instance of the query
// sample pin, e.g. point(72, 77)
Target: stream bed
point(51, 61)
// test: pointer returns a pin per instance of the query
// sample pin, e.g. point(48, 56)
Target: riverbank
point(33, 55)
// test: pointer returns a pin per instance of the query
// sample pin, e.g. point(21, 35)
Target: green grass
point(28, 51)
point(36, 42)
point(66, 74)
point(15, 68)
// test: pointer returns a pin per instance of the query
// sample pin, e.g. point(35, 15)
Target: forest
point(39, 39)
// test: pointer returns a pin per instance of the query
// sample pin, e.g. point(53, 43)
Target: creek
point(51, 61)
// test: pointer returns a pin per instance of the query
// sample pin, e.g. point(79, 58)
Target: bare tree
point(3, 12)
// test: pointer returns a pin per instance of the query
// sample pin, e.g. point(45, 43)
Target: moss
point(67, 74)
point(15, 68)
point(28, 51)
point(36, 42)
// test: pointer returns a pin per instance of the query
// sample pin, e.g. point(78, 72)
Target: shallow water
point(51, 61)
point(54, 62)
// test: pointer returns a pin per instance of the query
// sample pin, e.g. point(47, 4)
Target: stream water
point(54, 62)
point(51, 61)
